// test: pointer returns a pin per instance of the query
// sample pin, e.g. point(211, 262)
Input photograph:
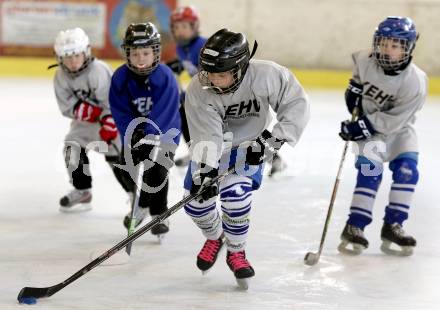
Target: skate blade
point(160, 238)
point(404, 250)
point(205, 272)
point(243, 283)
point(82, 207)
point(344, 248)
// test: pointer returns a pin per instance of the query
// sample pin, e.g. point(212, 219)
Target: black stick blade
point(33, 292)
point(311, 258)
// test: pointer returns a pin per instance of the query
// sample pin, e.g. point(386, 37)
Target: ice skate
point(183, 161)
point(394, 234)
point(140, 214)
point(76, 200)
point(208, 254)
point(160, 229)
point(354, 237)
point(241, 268)
point(278, 165)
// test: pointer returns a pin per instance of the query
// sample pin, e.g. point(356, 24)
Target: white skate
point(76, 201)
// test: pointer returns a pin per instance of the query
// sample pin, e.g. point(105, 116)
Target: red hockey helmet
point(185, 14)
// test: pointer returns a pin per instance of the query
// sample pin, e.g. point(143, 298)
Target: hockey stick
point(135, 205)
point(30, 294)
point(313, 258)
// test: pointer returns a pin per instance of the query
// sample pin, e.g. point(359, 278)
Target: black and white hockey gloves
point(200, 177)
point(358, 130)
point(264, 146)
point(353, 96)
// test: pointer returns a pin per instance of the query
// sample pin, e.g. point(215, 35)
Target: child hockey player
point(388, 90)
point(144, 100)
point(185, 24)
point(230, 100)
point(81, 87)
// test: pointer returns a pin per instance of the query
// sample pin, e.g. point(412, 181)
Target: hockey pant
point(77, 164)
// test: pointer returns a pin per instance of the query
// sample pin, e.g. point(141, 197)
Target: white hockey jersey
point(92, 86)
point(242, 116)
point(390, 103)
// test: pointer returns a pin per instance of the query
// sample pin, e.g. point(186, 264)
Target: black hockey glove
point(143, 147)
point(201, 176)
point(176, 66)
point(353, 96)
point(264, 146)
point(358, 130)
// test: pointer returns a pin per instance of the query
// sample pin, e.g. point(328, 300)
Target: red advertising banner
point(29, 28)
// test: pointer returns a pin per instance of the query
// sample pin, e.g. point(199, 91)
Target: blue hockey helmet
point(401, 30)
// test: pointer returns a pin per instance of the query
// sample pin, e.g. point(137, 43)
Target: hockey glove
point(176, 66)
point(201, 176)
point(143, 147)
point(108, 131)
point(87, 112)
point(264, 146)
point(358, 130)
point(353, 96)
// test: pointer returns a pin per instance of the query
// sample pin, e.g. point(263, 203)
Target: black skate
point(278, 165)
point(353, 236)
point(208, 254)
point(241, 267)
point(77, 200)
point(160, 229)
point(182, 162)
point(393, 233)
point(139, 215)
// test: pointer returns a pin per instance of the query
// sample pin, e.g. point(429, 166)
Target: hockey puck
point(27, 300)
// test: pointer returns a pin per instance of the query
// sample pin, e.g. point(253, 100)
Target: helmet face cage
point(384, 60)
point(237, 75)
point(143, 71)
point(72, 42)
point(142, 35)
point(224, 51)
point(392, 31)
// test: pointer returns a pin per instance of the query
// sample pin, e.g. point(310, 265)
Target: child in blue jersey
point(184, 24)
point(144, 100)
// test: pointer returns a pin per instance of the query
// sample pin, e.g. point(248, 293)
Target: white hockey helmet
point(72, 42)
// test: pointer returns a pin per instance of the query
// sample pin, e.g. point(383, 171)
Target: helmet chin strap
point(217, 89)
point(254, 49)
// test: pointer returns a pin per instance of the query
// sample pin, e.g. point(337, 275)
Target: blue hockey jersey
point(189, 54)
point(155, 97)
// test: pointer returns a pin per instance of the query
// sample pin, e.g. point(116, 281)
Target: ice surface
point(39, 246)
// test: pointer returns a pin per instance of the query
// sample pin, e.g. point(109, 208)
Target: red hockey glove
point(86, 112)
point(108, 131)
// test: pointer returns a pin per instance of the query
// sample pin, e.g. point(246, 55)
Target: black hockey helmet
point(142, 35)
point(225, 51)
